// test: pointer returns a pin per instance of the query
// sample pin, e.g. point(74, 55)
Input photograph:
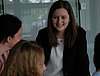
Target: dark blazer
point(75, 59)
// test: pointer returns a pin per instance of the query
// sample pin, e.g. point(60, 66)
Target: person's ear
point(9, 38)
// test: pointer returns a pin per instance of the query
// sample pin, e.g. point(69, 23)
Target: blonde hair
point(25, 57)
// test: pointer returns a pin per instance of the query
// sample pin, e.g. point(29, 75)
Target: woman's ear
point(9, 39)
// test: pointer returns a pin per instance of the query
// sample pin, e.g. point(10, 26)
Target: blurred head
point(10, 29)
point(25, 59)
point(32, 56)
point(97, 52)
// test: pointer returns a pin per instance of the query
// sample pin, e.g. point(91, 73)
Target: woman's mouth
point(60, 25)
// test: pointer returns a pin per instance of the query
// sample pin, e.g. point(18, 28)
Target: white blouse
point(55, 64)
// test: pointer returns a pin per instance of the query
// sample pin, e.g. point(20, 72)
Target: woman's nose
point(59, 20)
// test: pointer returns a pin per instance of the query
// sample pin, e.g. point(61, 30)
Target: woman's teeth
point(60, 25)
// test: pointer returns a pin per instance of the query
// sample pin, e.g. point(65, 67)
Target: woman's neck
point(3, 48)
point(60, 35)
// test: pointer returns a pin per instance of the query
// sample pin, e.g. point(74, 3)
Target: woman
point(64, 43)
point(25, 59)
point(10, 34)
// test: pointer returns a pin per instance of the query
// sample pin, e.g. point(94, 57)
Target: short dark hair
point(9, 26)
point(97, 51)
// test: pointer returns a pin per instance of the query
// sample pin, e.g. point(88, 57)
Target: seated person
point(25, 59)
point(96, 58)
point(10, 34)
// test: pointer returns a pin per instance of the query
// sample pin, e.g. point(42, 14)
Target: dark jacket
point(75, 59)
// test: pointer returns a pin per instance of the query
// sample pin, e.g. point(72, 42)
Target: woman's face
point(60, 19)
point(17, 37)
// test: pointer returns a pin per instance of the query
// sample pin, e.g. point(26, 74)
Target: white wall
point(90, 21)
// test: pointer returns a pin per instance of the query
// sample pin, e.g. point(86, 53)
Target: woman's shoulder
point(81, 33)
point(80, 29)
point(43, 32)
point(43, 29)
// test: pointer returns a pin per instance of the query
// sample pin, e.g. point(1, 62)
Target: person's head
point(10, 30)
point(97, 52)
point(32, 56)
point(25, 59)
point(61, 19)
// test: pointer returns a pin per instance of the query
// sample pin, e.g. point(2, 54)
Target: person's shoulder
point(96, 74)
point(80, 29)
point(98, 35)
point(43, 29)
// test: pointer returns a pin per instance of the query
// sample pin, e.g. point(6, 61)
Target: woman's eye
point(55, 17)
point(63, 17)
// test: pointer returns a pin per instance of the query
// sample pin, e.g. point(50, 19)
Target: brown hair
point(23, 60)
point(70, 32)
point(9, 26)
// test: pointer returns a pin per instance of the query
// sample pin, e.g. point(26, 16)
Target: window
point(33, 14)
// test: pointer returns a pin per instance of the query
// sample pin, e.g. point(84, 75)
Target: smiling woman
point(60, 20)
point(69, 57)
